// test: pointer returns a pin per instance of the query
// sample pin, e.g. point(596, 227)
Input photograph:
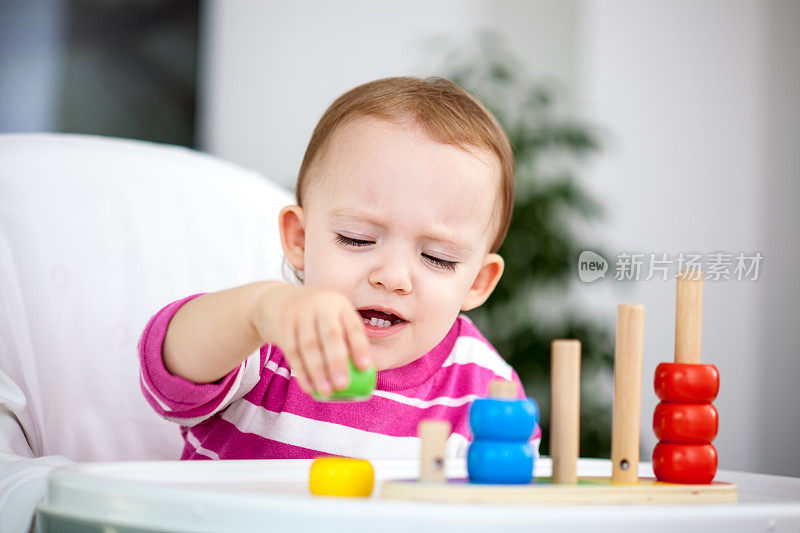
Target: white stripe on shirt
point(161, 404)
point(198, 446)
point(247, 377)
point(273, 366)
point(424, 404)
point(327, 437)
point(468, 350)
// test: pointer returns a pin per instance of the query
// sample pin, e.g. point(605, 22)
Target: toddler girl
point(403, 197)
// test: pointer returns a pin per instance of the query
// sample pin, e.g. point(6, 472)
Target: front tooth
point(378, 322)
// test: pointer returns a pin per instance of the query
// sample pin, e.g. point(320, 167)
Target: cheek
point(463, 283)
point(327, 265)
point(445, 295)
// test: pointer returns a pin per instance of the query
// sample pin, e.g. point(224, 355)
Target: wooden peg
point(434, 434)
point(689, 316)
point(501, 388)
point(627, 394)
point(565, 400)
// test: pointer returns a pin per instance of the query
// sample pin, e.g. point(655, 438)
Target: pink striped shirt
point(258, 411)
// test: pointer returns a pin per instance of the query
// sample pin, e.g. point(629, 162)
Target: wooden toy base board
point(589, 490)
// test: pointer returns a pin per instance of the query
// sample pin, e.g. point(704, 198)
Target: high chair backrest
point(97, 234)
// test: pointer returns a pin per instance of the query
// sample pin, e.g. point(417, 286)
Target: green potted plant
point(542, 246)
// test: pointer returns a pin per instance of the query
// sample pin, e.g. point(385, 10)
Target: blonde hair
point(444, 111)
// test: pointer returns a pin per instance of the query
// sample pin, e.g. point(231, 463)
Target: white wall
point(685, 91)
point(699, 102)
point(270, 68)
point(778, 322)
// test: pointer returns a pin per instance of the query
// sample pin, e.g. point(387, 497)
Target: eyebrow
point(350, 215)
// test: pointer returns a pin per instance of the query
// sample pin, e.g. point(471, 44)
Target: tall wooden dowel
point(627, 394)
point(433, 434)
point(689, 317)
point(565, 401)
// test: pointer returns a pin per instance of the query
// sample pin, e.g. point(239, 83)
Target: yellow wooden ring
point(341, 476)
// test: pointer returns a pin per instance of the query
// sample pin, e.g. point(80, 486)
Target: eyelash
point(441, 263)
point(351, 242)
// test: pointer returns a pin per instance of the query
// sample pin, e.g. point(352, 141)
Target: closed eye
point(441, 263)
point(347, 241)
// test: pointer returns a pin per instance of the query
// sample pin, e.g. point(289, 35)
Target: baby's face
point(401, 225)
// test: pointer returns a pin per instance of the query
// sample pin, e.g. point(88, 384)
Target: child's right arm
point(316, 330)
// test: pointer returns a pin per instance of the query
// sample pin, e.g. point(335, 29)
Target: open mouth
point(379, 319)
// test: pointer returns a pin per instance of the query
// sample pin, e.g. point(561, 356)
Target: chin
point(388, 359)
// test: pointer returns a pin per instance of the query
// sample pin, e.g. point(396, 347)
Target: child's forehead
point(406, 164)
point(384, 165)
point(374, 143)
point(401, 133)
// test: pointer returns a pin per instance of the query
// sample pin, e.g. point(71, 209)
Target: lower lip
point(379, 333)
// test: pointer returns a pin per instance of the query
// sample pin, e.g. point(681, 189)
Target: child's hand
point(317, 331)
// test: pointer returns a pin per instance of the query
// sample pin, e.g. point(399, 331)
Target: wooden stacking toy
point(362, 383)
point(694, 387)
point(341, 476)
point(501, 426)
point(627, 415)
point(685, 422)
point(433, 434)
point(565, 409)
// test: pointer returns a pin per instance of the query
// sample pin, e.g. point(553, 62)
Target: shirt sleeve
point(178, 399)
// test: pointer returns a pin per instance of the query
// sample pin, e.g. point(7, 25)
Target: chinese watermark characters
point(634, 266)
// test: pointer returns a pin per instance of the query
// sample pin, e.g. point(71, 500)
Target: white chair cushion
point(96, 234)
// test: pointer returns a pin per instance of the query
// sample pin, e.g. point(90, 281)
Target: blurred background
point(645, 131)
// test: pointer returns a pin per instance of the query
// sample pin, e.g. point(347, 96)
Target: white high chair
point(96, 235)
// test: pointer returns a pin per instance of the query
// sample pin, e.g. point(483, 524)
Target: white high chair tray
point(229, 496)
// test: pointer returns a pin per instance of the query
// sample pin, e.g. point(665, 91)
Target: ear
point(485, 282)
point(293, 235)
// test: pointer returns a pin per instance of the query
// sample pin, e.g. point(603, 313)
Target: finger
point(357, 340)
point(302, 380)
point(289, 349)
point(311, 353)
point(334, 349)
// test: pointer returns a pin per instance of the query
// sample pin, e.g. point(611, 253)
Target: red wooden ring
point(685, 463)
point(688, 383)
point(688, 423)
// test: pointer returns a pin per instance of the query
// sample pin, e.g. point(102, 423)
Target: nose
point(393, 276)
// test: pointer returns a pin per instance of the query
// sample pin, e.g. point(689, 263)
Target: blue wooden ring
point(500, 462)
point(503, 419)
